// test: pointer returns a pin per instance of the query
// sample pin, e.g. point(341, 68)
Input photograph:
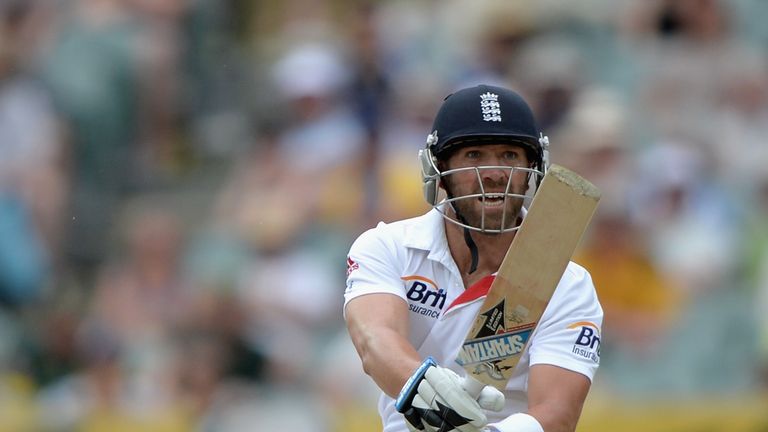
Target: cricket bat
point(536, 260)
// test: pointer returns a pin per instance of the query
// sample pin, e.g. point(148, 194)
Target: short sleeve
point(569, 333)
point(372, 266)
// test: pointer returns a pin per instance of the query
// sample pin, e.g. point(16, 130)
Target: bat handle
point(472, 386)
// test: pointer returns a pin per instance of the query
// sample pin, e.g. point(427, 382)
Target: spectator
point(32, 177)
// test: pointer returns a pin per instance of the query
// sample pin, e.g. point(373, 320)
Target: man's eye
point(511, 155)
point(473, 154)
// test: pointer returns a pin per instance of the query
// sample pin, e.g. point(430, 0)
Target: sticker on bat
point(494, 348)
point(493, 342)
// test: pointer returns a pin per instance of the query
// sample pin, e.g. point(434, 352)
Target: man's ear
point(442, 166)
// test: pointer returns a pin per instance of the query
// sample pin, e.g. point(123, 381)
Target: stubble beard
point(471, 210)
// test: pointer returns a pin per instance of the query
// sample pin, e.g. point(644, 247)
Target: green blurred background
point(180, 181)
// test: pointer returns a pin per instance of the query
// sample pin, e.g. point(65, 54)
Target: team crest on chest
point(489, 104)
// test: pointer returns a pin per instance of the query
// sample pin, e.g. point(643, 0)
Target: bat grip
point(472, 386)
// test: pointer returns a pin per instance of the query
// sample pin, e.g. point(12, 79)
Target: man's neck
point(491, 249)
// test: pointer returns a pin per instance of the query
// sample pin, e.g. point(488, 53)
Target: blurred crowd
point(180, 181)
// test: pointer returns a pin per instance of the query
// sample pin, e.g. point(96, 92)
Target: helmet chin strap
point(468, 240)
point(472, 249)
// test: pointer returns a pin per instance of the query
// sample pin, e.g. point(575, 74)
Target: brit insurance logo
point(587, 343)
point(489, 104)
point(424, 297)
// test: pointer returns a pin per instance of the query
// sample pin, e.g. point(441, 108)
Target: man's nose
point(495, 175)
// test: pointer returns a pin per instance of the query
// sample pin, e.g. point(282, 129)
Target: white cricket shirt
point(410, 259)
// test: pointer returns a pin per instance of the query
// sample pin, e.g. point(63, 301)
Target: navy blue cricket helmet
point(484, 112)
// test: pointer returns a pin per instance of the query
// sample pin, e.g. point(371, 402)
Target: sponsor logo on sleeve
point(424, 296)
point(351, 266)
point(587, 342)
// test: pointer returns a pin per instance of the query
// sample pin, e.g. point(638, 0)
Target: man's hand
point(433, 399)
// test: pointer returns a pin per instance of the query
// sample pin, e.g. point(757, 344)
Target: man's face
point(495, 181)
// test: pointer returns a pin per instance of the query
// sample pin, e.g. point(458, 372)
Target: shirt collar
point(427, 232)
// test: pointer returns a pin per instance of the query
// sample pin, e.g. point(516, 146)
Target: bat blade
point(536, 260)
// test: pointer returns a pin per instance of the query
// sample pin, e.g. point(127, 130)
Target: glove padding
point(441, 404)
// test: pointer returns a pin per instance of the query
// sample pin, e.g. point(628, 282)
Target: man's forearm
point(387, 357)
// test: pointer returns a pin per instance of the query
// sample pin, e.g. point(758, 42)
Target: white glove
point(433, 399)
point(520, 422)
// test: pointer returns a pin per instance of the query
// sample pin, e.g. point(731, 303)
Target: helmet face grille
point(512, 201)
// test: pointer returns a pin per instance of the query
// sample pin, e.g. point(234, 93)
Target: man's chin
point(493, 217)
point(493, 220)
point(493, 224)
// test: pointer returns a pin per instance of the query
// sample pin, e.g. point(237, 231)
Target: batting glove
point(433, 399)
